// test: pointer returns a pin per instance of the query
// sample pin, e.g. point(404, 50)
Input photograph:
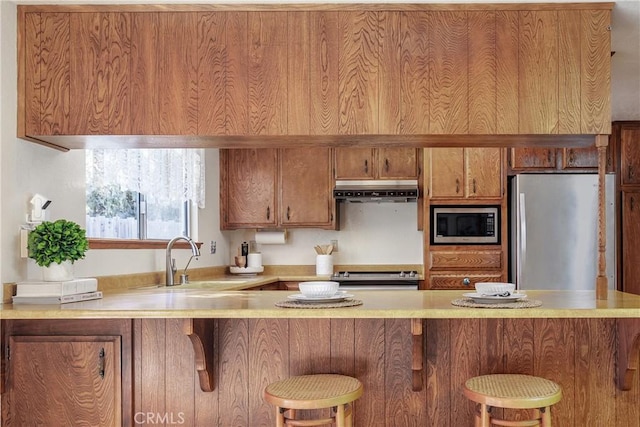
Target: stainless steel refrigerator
point(554, 231)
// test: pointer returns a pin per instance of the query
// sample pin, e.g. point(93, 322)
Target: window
point(142, 193)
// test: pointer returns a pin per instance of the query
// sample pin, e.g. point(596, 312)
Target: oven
point(376, 280)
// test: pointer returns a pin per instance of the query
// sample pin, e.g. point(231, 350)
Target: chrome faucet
point(171, 263)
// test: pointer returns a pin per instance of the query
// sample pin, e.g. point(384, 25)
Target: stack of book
point(83, 289)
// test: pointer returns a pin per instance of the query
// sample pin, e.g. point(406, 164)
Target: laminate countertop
point(227, 299)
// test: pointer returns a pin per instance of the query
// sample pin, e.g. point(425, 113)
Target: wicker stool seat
point(317, 391)
point(512, 391)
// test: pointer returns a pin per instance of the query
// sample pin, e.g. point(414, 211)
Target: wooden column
point(602, 285)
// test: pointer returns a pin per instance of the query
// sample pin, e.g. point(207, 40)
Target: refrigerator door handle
point(523, 235)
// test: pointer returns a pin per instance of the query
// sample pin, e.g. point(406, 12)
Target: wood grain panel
point(180, 361)
point(237, 74)
point(370, 370)
point(206, 404)
point(233, 393)
point(484, 172)
point(448, 86)
point(267, 73)
point(414, 76)
point(446, 166)
point(448, 280)
point(268, 362)
point(519, 346)
point(177, 84)
point(306, 186)
point(54, 74)
point(596, 72)
point(594, 366)
point(343, 351)
point(389, 72)
point(630, 248)
point(465, 354)
point(298, 73)
point(212, 62)
point(482, 72)
point(569, 72)
point(441, 399)
point(554, 346)
point(324, 52)
point(358, 72)
point(145, 35)
point(465, 259)
point(88, 88)
point(119, 82)
point(410, 405)
point(538, 72)
point(630, 156)
point(507, 60)
point(152, 365)
point(32, 58)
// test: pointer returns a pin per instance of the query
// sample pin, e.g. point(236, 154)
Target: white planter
point(58, 272)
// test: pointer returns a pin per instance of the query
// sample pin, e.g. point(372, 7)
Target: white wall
point(370, 233)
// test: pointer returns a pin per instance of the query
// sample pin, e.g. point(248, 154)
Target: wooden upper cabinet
point(164, 73)
point(271, 188)
point(248, 182)
point(306, 188)
point(464, 173)
point(630, 249)
point(376, 163)
point(532, 158)
point(329, 71)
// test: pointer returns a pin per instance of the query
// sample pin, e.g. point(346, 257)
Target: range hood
point(367, 191)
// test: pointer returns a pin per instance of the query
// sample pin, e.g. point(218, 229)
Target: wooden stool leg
point(485, 416)
point(279, 417)
point(340, 418)
point(546, 416)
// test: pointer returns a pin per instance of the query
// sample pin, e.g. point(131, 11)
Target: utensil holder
point(324, 265)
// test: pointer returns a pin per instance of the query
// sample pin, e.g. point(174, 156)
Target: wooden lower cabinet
point(67, 373)
point(579, 354)
point(456, 268)
point(630, 235)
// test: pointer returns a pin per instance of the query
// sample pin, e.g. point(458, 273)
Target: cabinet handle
point(572, 157)
point(630, 172)
point(366, 166)
point(288, 213)
point(631, 203)
point(101, 356)
point(466, 281)
point(474, 186)
point(386, 165)
point(549, 156)
point(457, 185)
point(268, 212)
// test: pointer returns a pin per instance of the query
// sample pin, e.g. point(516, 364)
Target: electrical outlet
point(212, 247)
point(335, 245)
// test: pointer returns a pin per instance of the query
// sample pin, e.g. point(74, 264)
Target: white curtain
point(165, 175)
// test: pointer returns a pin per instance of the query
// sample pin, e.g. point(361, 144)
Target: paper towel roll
point(278, 237)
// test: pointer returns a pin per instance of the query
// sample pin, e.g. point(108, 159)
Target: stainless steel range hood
point(367, 191)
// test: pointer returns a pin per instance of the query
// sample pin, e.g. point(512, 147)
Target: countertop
point(225, 299)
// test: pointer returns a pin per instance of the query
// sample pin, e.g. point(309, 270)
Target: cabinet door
point(306, 187)
point(397, 163)
point(355, 163)
point(630, 155)
point(580, 158)
point(533, 158)
point(630, 236)
point(484, 172)
point(164, 96)
point(248, 188)
point(64, 380)
point(446, 172)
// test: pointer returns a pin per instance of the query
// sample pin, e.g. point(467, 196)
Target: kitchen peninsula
point(412, 350)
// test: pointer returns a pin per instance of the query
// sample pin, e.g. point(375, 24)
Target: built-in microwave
point(471, 225)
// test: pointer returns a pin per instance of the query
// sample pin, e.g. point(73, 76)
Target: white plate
point(487, 299)
point(246, 270)
point(339, 296)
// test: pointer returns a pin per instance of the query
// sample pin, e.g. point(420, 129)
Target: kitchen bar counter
point(223, 301)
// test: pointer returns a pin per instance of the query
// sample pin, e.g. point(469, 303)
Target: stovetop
point(373, 276)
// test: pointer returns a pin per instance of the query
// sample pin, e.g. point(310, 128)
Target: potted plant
point(56, 246)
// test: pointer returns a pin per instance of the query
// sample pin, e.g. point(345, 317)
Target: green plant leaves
point(58, 241)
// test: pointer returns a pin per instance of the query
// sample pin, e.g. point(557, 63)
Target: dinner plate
point(488, 299)
point(339, 296)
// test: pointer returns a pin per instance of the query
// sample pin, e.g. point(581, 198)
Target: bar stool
point(316, 391)
point(512, 391)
